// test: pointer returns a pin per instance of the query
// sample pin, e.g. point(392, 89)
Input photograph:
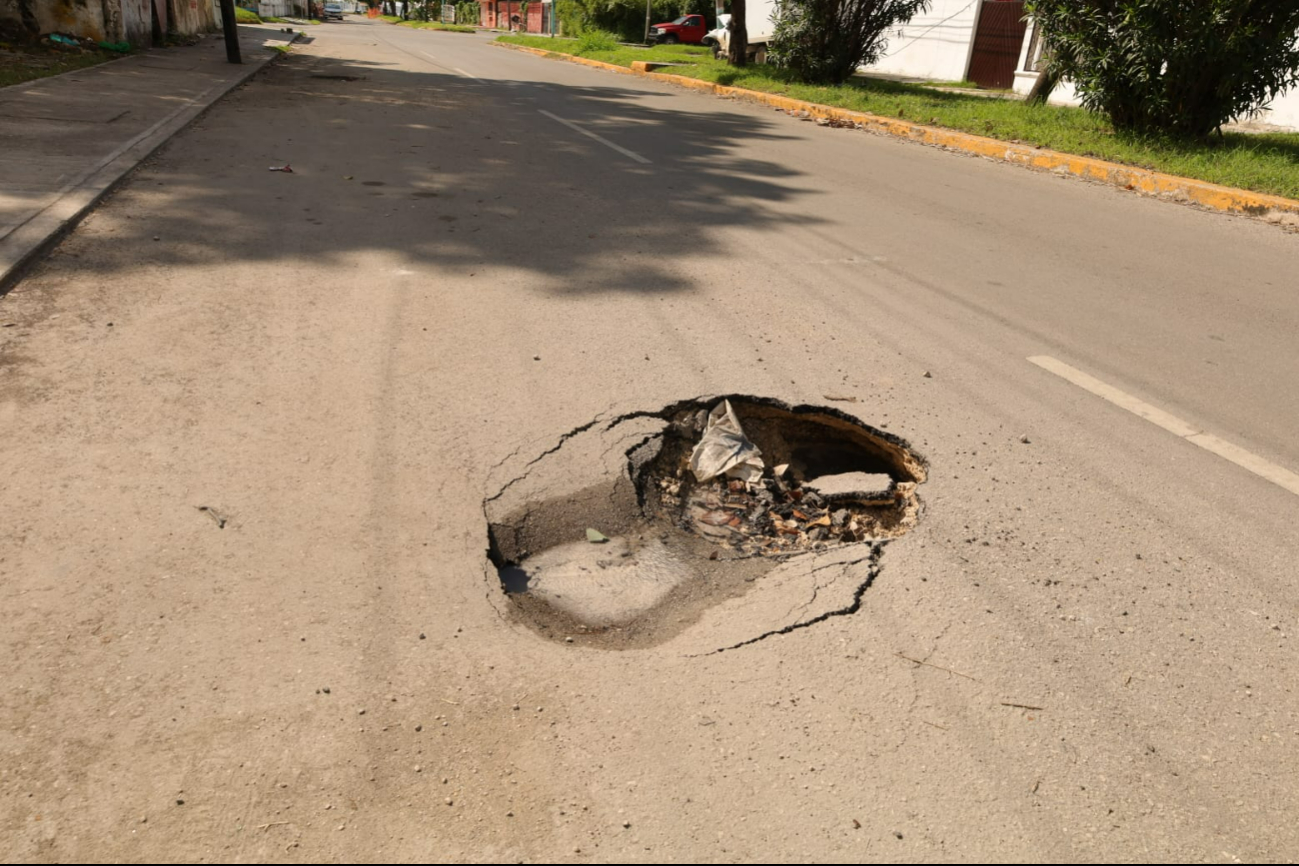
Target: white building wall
point(934, 45)
point(1284, 110)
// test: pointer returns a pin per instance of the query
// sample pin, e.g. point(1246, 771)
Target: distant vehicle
point(333, 10)
point(759, 24)
point(689, 29)
point(713, 38)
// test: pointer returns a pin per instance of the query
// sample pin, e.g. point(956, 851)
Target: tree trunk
point(1046, 82)
point(739, 53)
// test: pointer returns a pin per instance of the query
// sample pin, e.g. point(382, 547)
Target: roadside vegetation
point(246, 16)
point(1168, 66)
point(437, 25)
point(1266, 163)
point(27, 58)
point(17, 66)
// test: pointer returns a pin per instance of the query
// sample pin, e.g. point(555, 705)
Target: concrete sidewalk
point(68, 139)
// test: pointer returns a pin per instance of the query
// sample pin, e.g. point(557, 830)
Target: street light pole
point(230, 28)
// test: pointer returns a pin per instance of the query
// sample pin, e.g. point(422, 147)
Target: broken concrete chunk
point(850, 482)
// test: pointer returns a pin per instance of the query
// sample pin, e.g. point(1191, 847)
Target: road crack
point(874, 558)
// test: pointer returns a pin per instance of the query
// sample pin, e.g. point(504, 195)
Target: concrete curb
point(79, 196)
point(1167, 186)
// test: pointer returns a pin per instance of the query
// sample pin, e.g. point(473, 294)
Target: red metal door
point(997, 43)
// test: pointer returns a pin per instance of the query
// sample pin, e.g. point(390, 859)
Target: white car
point(714, 38)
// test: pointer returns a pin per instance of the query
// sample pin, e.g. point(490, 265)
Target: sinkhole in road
point(609, 537)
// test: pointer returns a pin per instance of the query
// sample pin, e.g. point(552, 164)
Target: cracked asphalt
point(1083, 651)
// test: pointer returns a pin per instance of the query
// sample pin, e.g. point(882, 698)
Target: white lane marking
point(606, 142)
point(434, 58)
point(1246, 460)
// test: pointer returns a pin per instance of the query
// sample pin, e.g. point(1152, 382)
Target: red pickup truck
point(690, 29)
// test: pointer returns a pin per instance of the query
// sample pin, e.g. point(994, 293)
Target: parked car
point(333, 10)
point(689, 29)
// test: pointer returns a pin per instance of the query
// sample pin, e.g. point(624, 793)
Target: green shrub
point(590, 41)
point(571, 17)
point(1172, 66)
point(824, 41)
point(246, 16)
point(468, 13)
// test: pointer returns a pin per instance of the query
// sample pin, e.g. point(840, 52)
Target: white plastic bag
point(725, 450)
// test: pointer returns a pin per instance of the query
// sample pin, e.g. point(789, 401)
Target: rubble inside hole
point(788, 510)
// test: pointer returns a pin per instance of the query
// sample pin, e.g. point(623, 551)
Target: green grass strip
point(437, 25)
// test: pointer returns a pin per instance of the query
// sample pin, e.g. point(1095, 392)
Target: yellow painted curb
point(1169, 186)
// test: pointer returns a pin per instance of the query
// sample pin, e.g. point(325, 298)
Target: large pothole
point(610, 537)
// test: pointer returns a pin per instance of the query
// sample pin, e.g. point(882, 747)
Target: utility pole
point(230, 28)
point(647, 19)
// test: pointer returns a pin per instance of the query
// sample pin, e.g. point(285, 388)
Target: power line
point(921, 34)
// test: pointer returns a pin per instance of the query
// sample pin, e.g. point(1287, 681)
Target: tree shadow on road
point(452, 174)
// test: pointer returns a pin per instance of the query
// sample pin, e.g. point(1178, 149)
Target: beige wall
point(114, 20)
point(137, 22)
point(76, 17)
point(191, 16)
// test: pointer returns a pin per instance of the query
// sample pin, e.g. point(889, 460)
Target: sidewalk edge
point(21, 247)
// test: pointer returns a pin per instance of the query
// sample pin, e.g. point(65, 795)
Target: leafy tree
point(1172, 66)
point(824, 41)
point(468, 13)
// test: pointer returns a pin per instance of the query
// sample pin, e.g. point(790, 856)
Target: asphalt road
point(480, 251)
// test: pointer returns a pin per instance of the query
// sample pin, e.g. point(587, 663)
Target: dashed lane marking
point(1247, 460)
point(606, 142)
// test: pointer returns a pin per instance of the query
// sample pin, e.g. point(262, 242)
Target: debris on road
point(725, 450)
point(287, 169)
point(769, 515)
point(836, 398)
point(596, 537)
point(936, 667)
point(217, 518)
point(737, 503)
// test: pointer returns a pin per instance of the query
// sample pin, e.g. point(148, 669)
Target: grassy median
point(1266, 162)
point(437, 25)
